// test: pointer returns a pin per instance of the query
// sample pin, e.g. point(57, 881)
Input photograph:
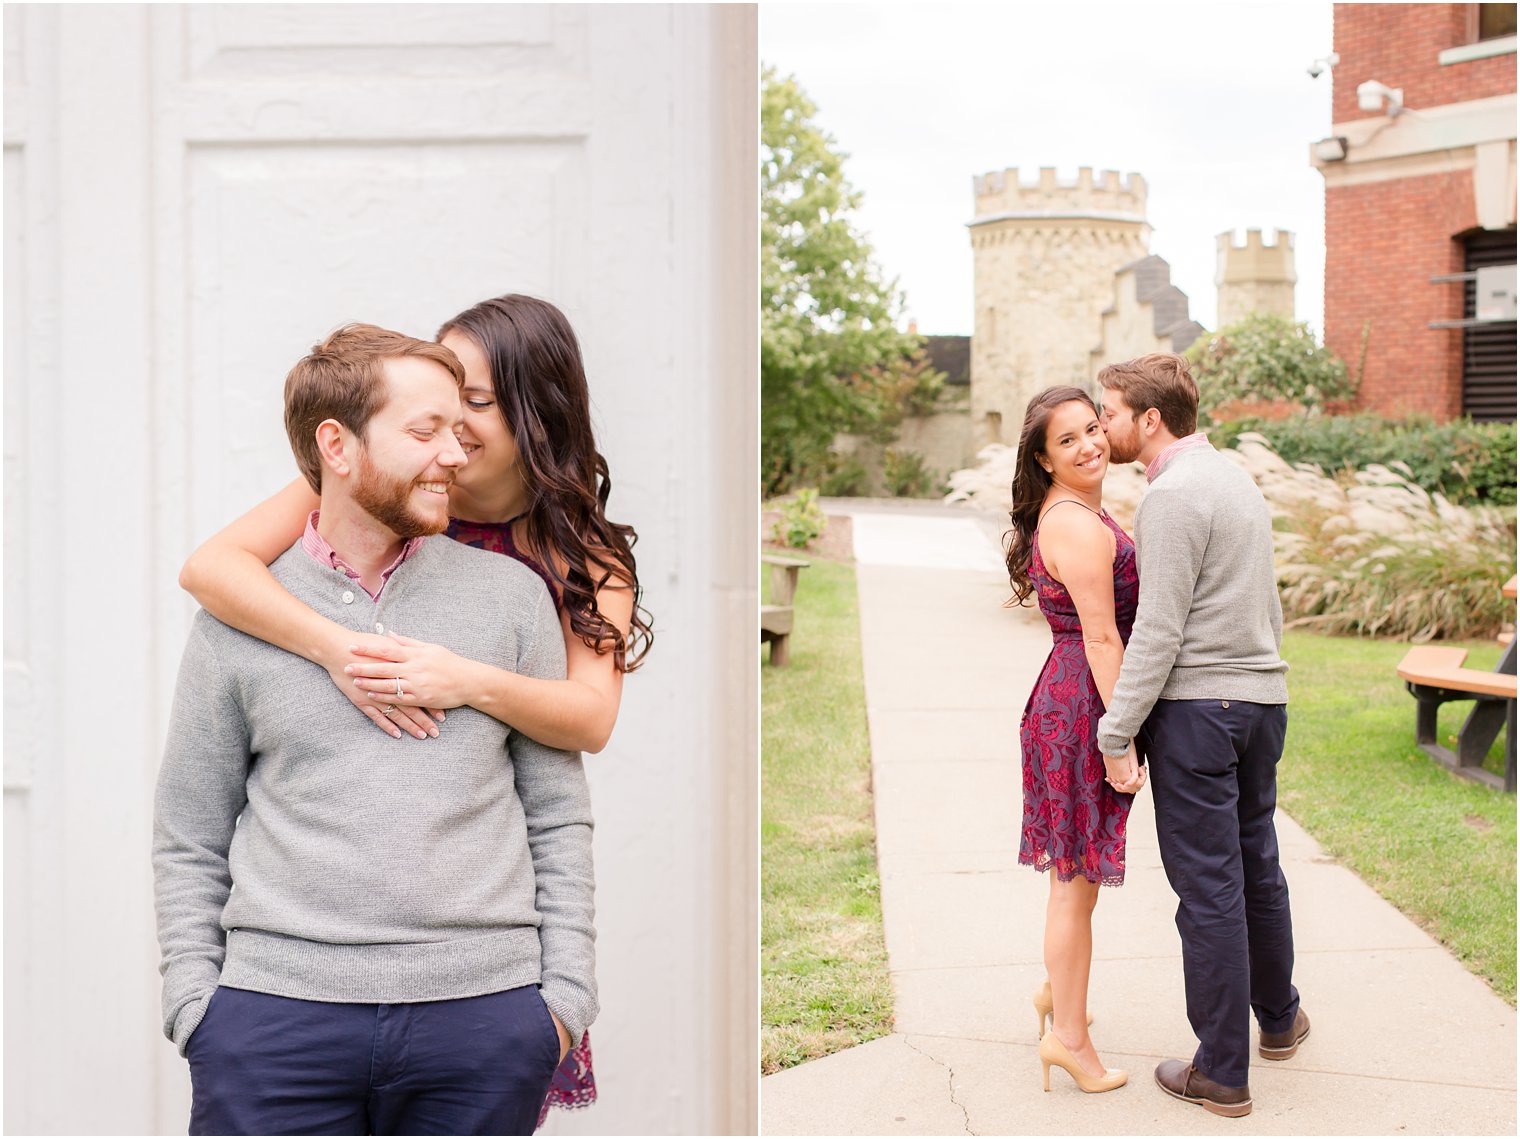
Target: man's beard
point(1124, 450)
point(388, 501)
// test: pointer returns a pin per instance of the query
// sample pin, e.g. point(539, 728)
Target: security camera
point(1371, 95)
point(1323, 64)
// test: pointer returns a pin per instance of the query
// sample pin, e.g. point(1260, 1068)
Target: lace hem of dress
point(1068, 868)
point(572, 1101)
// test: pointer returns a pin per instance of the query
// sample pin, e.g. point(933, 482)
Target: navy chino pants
point(268, 1065)
point(1213, 768)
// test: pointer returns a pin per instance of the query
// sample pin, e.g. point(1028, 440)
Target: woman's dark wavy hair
point(1031, 482)
point(540, 387)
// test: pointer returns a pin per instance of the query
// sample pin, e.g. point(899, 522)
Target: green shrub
point(802, 520)
point(1265, 357)
point(905, 474)
point(1462, 460)
point(846, 478)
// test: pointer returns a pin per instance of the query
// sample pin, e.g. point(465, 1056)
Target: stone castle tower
point(1254, 277)
point(1045, 257)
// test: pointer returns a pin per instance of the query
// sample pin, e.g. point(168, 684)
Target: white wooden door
point(194, 195)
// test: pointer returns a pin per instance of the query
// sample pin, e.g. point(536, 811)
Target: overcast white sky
point(1210, 102)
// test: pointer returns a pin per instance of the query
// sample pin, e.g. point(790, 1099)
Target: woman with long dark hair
point(1067, 552)
point(534, 488)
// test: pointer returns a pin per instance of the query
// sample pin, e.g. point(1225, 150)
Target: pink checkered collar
point(1172, 449)
point(319, 548)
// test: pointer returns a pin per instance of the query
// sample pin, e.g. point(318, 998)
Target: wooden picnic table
point(1434, 675)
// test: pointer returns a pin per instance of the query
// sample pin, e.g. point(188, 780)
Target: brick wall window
point(1492, 21)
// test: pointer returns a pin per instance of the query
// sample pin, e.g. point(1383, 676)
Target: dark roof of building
point(1169, 304)
point(951, 355)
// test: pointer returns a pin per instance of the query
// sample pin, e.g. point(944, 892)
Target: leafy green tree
point(830, 350)
point(1263, 357)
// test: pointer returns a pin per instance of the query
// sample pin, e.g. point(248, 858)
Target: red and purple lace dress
point(1073, 820)
point(574, 1083)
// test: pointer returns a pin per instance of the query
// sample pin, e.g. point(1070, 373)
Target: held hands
point(1125, 774)
point(430, 675)
point(369, 677)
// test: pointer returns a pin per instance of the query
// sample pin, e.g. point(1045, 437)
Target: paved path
point(1405, 1040)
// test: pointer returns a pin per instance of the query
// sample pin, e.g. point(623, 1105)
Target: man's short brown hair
point(344, 379)
point(1161, 380)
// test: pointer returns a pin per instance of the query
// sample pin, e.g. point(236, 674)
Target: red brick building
point(1419, 195)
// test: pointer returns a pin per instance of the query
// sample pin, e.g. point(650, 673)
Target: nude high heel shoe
point(1045, 1007)
point(1052, 1051)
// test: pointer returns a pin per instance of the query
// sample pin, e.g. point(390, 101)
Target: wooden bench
point(776, 618)
point(1434, 675)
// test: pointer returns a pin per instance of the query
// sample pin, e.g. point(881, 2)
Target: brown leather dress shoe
point(1281, 1045)
point(1179, 1078)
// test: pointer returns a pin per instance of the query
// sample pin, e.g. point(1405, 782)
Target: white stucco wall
point(194, 196)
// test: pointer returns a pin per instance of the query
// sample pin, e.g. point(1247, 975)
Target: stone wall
point(1045, 254)
point(943, 438)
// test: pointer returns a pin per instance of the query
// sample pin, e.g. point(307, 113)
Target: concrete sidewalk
point(1405, 1040)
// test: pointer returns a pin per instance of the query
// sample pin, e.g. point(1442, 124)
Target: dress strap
point(1074, 502)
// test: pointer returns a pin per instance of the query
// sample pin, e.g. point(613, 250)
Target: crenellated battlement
point(1046, 248)
point(1254, 240)
point(1108, 194)
point(1256, 259)
point(1254, 276)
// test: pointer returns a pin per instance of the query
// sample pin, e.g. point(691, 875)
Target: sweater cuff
point(1109, 743)
point(188, 1020)
point(567, 1003)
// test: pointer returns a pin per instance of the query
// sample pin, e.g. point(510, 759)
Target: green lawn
point(1440, 848)
point(824, 983)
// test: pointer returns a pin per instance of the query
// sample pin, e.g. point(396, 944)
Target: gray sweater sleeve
point(202, 788)
point(551, 784)
point(1171, 536)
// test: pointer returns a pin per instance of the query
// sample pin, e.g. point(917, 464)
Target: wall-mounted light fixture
point(1371, 95)
point(1332, 149)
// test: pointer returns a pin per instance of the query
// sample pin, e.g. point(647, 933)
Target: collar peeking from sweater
point(320, 549)
point(1172, 450)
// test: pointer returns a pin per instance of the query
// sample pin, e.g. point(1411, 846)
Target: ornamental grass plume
point(1378, 556)
point(1381, 556)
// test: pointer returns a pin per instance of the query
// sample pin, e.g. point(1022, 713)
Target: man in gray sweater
point(1203, 694)
point(363, 934)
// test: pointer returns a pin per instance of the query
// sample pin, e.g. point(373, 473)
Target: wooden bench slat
point(1423, 658)
point(1469, 680)
point(1438, 667)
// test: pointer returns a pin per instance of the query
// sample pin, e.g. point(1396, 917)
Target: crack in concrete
point(950, 1074)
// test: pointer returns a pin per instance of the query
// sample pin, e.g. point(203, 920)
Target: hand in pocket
point(564, 1035)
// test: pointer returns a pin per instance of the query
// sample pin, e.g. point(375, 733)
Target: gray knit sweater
point(1209, 625)
point(300, 851)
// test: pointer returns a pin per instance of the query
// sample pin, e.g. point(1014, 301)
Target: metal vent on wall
point(1488, 349)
